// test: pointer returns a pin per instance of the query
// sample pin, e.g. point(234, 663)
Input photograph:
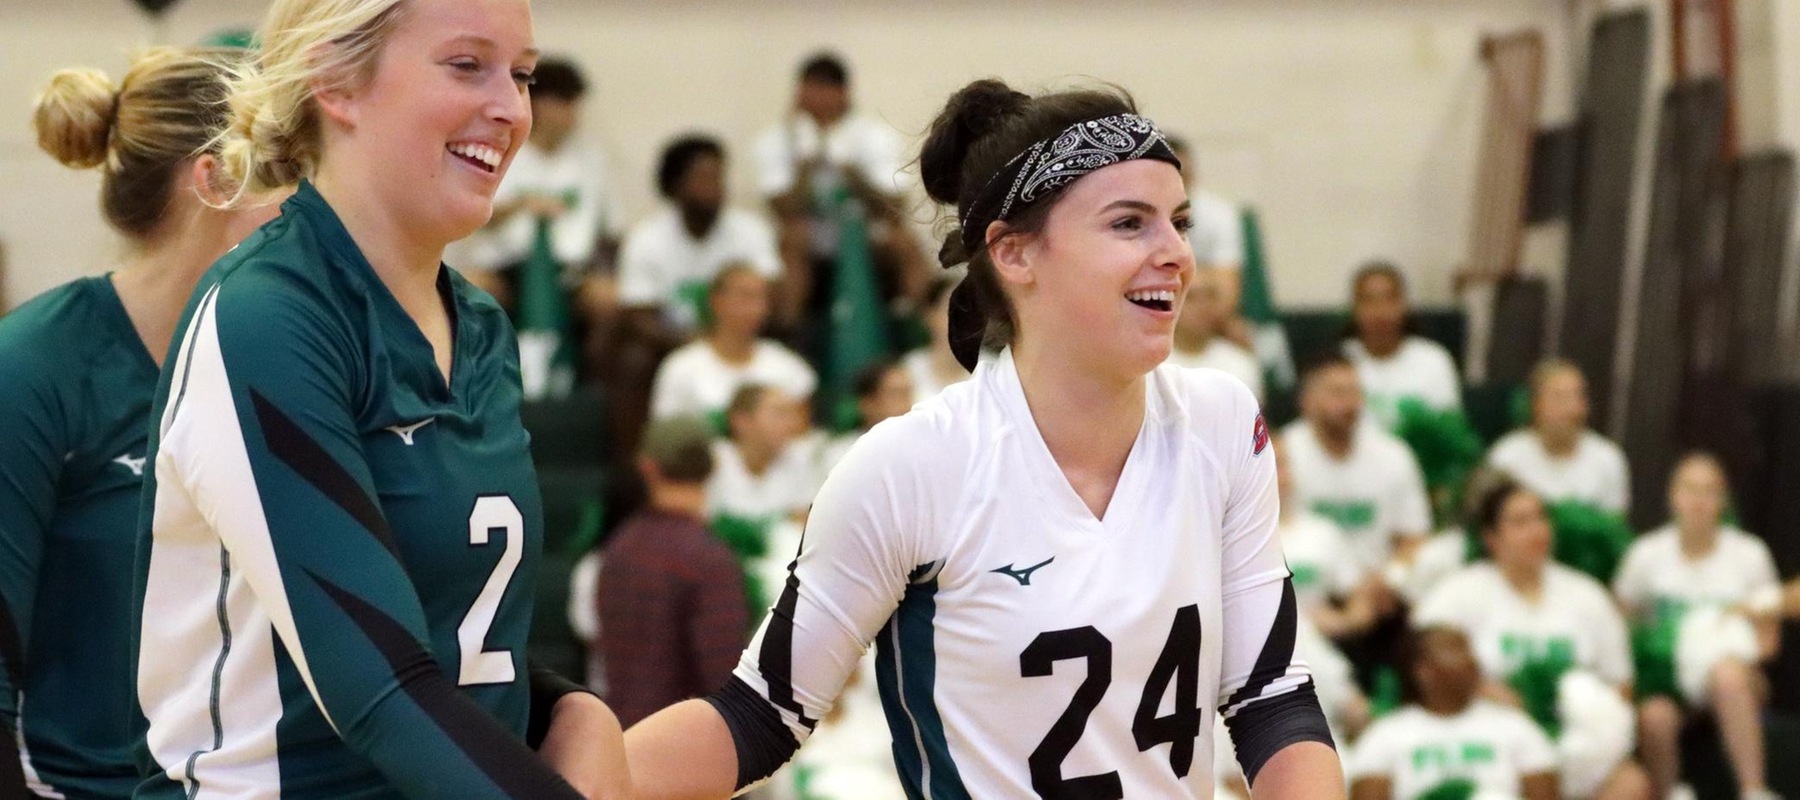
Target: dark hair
point(1329, 359)
point(1379, 268)
point(1493, 501)
point(867, 380)
point(983, 126)
point(825, 67)
point(558, 79)
point(680, 155)
point(1410, 650)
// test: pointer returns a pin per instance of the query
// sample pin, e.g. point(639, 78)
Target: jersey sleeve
point(32, 444)
point(260, 435)
point(1265, 691)
point(861, 548)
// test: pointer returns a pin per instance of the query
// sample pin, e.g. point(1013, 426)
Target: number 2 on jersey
point(492, 511)
point(1179, 664)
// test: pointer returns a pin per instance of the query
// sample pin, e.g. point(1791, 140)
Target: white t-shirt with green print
point(1573, 622)
point(1373, 493)
point(1488, 745)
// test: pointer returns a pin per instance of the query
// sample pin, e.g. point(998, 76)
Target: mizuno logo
point(405, 432)
point(1023, 576)
point(136, 465)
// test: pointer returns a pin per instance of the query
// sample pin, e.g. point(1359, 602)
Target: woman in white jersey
point(1051, 554)
point(1541, 631)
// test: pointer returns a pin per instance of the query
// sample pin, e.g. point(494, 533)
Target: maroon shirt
point(673, 614)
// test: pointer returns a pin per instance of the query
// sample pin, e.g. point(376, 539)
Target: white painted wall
point(1352, 125)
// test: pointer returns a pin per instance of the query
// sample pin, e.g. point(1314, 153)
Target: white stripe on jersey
point(33, 780)
point(213, 725)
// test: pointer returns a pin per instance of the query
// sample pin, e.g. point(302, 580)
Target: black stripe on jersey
point(504, 760)
point(304, 456)
point(218, 722)
point(777, 657)
point(1277, 653)
point(12, 648)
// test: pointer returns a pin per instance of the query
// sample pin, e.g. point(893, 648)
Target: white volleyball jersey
point(1024, 647)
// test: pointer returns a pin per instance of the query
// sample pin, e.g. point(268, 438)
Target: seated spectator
point(884, 390)
point(934, 366)
point(1217, 236)
point(673, 614)
point(1200, 339)
point(1703, 596)
point(763, 471)
point(1447, 739)
point(1352, 472)
point(701, 376)
point(1532, 622)
point(1330, 589)
point(1394, 363)
point(1559, 457)
point(670, 259)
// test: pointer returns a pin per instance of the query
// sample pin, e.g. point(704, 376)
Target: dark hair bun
point(973, 113)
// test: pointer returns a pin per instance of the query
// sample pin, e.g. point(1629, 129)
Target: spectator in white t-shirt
point(1200, 339)
point(1708, 593)
point(934, 366)
point(670, 259)
point(1354, 473)
point(1558, 456)
point(823, 147)
point(1394, 363)
point(701, 376)
point(1330, 589)
point(1532, 621)
point(762, 471)
point(1447, 737)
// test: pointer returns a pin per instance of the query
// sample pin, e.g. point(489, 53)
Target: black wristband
point(1263, 728)
point(547, 687)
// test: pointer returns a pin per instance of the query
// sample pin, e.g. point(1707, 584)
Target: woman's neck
point(732, 348)
point(154, 285)
point(1699, 541)
point(1089, 421)
point(1526, 579)
point(1382, 346)
point(1557, 442)
point(406, 263)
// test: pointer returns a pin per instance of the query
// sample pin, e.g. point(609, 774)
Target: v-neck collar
point(1127, 493)
point(330, 227)
point(112, 307)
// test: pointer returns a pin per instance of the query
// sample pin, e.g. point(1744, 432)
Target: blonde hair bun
point(73, 117)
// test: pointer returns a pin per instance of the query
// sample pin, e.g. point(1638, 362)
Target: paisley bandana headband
point(1058, 161)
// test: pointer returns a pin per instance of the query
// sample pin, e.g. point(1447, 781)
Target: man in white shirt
point(1394, 363)
point(1200, 339)
point(1353, 473)
point(820, 149)
point(671, 257)
point(1558, 456)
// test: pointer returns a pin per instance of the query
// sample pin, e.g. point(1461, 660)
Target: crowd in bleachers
point(1490, 602)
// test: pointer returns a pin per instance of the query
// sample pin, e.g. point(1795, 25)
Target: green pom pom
point(1447, 447)
point(748, 540)
point(1590, 539)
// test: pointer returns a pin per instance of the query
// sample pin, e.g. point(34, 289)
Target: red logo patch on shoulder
point(1259, 437)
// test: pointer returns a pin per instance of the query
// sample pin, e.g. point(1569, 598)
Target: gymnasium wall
point(1351, 125)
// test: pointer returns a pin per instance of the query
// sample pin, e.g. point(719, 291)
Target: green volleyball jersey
point(75, 390)
point(338, 550)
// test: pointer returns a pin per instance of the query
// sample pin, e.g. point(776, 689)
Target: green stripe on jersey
point(906, 674)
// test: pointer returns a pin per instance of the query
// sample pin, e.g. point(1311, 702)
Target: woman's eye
point(524, 77)
point(1127, 224)
point(1184, 224)
point(466, 65)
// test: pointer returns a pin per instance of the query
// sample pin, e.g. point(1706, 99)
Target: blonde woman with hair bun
point(341, 537)
point(80, 363)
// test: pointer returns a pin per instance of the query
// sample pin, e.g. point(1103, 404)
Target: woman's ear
point(336, 101)
point(1011, 253)
point(208, 176)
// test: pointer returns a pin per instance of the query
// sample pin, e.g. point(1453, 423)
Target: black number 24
point(1178, 664)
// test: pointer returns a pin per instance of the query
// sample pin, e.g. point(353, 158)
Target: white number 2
point(490, 666)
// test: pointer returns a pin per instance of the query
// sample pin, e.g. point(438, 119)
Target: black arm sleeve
point(1262, 729)
point(547, 688)
point(763, 742)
